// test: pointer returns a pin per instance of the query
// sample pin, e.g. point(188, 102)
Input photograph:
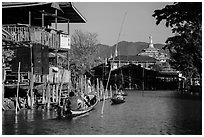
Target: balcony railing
point(33, 34)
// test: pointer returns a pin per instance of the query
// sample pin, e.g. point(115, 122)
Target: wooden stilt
point(44, 94)
point(82, 89)
point(103, 97)
point(17, 103)
point(111, 94)
point(85, 84)
point(61, 86)
point(102, 90)
point(3, 84)
point(97, 88)
point(31, 77)
point(57, 92)
point(53, 93)
point(31, 90)
point(48, 95)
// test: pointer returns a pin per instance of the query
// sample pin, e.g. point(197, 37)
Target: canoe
point(76, 113)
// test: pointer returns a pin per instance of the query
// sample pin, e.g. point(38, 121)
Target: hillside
point(126, 48)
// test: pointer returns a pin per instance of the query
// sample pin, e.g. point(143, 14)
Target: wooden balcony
point(23, 33)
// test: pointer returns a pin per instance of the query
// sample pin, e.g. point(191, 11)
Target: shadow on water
point(143, 113)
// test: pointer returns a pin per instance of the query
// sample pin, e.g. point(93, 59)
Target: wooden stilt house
point(42, 51)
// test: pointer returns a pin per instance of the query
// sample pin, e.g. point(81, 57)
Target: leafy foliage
point(7, 55)
point(83, 52)
point(185, 20)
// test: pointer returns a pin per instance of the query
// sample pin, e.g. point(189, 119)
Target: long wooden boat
point(76, 113)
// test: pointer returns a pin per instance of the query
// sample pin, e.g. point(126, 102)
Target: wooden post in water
point(102, 94)
point(48, 95)
point(57, 92)
point(61, 86)
point(103, 97)
point(143, 87)
point(3, 84)
point(116, 89)
point(53, 92)
point(97, 88)
point(107, 93)
point(82, 89)
point(17, 105)
point(31, 77)
point(60, 92)
point(32, 93)
point(85, 84)
point(43, 95)
point(111, 94)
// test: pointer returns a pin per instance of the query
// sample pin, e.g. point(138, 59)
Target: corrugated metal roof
point(20, 4)
point(134, 58)
point(18, 12)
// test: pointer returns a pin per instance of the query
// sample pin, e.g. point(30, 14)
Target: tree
point(83, 51)
point(185, 21)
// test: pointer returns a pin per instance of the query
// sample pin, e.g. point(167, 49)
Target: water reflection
point(148, 113)
point(16, 124)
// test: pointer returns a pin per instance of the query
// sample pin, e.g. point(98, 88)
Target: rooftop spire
point(116, 51)
point(150, 42)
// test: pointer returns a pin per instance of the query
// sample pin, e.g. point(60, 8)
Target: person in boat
point(119, 94)
point(120, 91)
point(93, 100)
point(67, 107)
point(87, 100)
point(76, 102)
point(60, 108)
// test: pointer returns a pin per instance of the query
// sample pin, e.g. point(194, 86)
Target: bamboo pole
point(53, 92)
point(3, 86)
point(43, 18)
point(17, 105)
point(97, 88)
point(82, 85)
point(48, 95)
point(111, 94)
point(30, 98)
point(61, 85)
point(29, 19)
point(103, 95)
point(116, 89)
point(57, 92)
point(43, 96)
point(85, 84)
point(56, 19)
point(102, 90)
point(32, 86)
point(143, 81)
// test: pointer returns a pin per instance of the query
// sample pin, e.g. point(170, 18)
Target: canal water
point(143, 113)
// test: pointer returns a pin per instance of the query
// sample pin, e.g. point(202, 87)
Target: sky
point(106, 19)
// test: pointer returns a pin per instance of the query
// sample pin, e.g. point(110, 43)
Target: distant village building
point(151, 51)
point(121, 60)
point(145, 59)
point(145, 63)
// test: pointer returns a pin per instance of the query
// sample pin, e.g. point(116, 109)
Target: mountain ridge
point(126, 48)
